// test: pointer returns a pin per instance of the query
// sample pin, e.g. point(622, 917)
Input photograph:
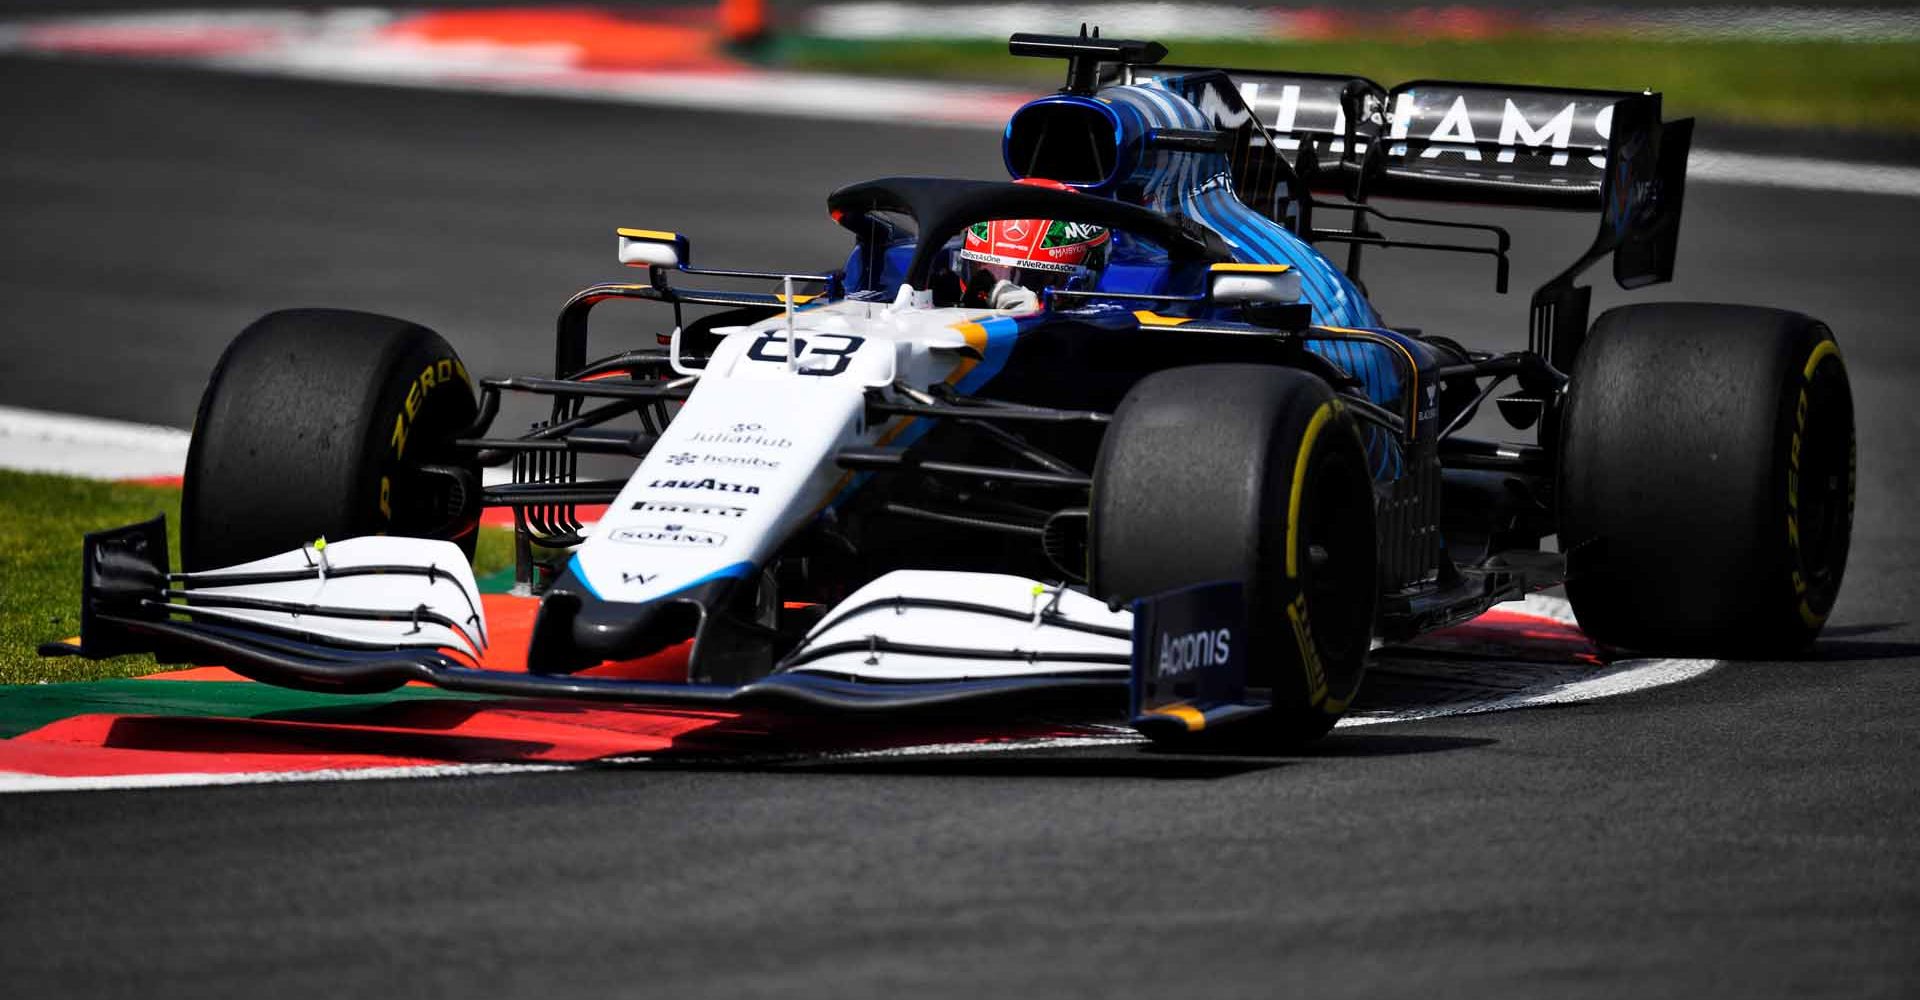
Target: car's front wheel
point(1255, 474)
point(328, 423)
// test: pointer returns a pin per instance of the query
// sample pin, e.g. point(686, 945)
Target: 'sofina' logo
point(668, 534)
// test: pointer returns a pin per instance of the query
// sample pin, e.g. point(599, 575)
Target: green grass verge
point(42, 519)
point(26, 707)
point(1868, 86)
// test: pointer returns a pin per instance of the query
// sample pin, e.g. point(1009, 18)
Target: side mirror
point(1253, 284)
point(653, 248)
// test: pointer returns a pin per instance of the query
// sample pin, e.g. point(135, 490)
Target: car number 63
point(764, 349)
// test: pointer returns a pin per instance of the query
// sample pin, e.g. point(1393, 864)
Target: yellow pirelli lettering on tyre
point(1309, 654)
point(434, 374)
point(1316, 673)
point(1821, 352)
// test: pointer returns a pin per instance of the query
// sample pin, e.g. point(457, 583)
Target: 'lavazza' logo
point(668, 534)
point(703, 484)
point(1180, 654)
point(681, 507)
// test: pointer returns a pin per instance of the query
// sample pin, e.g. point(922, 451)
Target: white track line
point(13, 781)
point(881, 21)
point(809, 96)
point(97, 448)
point(1623, 677)
point(1716, 166)
point(993, 22)
point(34, 441)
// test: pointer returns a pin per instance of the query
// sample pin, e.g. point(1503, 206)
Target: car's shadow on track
point(1123, 760)
point(1828, 650)
point(1352, 744)
point(1849, 631)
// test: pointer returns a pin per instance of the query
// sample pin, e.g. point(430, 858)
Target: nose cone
point(575, 629)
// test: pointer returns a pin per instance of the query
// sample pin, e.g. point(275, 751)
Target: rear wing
point(1435, 140)
point(1534, 147)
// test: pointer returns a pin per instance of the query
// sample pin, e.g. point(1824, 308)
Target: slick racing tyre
point(326, 422)
point(1707, 476)
point(1256, 474)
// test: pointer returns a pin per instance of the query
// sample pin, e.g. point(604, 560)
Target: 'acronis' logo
point(1180, 654)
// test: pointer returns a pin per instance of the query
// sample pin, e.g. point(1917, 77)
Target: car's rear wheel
point(1255, 474)
point(328, 423)
point(1707, 475)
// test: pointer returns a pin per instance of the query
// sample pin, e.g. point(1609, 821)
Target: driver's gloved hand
point(1011, 296)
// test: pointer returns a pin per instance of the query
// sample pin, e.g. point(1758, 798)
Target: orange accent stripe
point(977, 339)
point(1413, 367)
point(1185, 713)
point(1249, 268)
point(1146, 318)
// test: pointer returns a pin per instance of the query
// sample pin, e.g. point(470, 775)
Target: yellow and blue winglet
point(654, 248)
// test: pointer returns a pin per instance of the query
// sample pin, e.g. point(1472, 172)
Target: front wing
point(372, 614)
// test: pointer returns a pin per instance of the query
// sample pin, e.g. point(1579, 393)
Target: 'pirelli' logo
point(693, 509)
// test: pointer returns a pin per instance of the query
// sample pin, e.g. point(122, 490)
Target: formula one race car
point(1115, 429)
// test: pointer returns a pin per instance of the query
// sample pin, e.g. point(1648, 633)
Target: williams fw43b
point(1116, 431)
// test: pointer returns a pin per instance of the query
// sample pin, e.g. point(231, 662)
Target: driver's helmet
point(1034, 253)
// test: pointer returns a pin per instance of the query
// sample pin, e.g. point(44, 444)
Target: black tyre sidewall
point(308, 416)
point(1680, 470)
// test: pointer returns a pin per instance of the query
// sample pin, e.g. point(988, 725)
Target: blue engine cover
point(1179, 183)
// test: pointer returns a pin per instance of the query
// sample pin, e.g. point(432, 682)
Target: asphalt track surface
point(1747, 834)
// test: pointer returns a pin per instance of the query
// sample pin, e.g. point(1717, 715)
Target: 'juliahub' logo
point(754, 437)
